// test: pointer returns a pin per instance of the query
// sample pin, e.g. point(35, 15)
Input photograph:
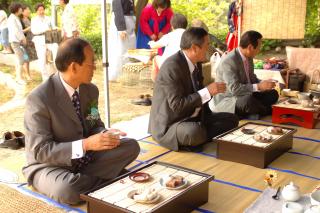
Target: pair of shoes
point(13, 140)
point(198, 148)
point(144, 100)
point(21, 82)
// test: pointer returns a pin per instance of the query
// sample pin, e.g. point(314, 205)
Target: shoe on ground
point(21, 82)
point(9, 141)
point(20, 137)
point(142, 100)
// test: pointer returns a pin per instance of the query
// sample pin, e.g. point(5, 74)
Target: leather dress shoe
point(20, 137)
point(144, 100)
point(10, 141)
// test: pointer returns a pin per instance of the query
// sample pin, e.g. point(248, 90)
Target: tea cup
point(315, 197)
point(292, 207)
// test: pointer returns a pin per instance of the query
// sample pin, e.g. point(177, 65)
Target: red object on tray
point(300, 117)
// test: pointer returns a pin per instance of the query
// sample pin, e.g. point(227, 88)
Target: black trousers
point(197, 131)
point(257, 103)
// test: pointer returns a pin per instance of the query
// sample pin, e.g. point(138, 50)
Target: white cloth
point(204, 93)
point(117, 47)
point(3, 20)
point(69, 21)
point(15, 29)
point(171, 42)
point(77, 149)
point(39, 25)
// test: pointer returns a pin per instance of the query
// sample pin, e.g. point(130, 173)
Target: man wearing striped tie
point(68, 149)
point(246, 95)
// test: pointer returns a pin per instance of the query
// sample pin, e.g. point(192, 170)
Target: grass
point(120, 97)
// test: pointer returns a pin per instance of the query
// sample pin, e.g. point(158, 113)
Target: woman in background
point(29, 48)
point(4, 37)
point(154, 23)
point(39, 25)
point(17, 39)
point(121, 35)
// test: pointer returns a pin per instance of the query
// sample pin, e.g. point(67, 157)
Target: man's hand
point(216, 87)
point(103, 141)
point(235, 33)
point(153, 37)
point(266, 85)
point(123, 35)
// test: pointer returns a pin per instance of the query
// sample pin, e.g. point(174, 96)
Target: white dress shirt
point(204, 93)
point(69, 21)
point(77, 149)
point(15, 29)
point(245, 60)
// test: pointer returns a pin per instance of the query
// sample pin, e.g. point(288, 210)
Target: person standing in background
point(30, 48)
point(39, 25)
point(154, 23)
point(17, 39)
point(121, 35)
point(70, 28)
point(234, 14)
point(4, 39)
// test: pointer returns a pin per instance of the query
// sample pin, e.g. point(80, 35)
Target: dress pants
point(257, 103)
point(197, 131)
point(64, 186)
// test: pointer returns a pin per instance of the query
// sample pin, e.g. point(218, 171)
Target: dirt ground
point(121, 108)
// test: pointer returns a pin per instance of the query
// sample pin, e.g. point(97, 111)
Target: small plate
point(139, 177)
point(181, 186)
point(248, 131)
point(133, 192)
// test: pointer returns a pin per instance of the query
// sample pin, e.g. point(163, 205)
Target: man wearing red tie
point(246, 95)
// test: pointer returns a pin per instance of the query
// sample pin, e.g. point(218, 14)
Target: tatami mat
point(236, 185)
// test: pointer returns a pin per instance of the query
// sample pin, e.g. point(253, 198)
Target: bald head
point(71, 50)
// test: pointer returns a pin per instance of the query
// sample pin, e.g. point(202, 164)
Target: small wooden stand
point(304, 117)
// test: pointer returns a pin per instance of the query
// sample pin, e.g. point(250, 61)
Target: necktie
point(195, 79)
point(246, 69)
point(81, 162)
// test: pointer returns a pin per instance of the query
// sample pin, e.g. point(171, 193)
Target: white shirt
point(15, 29)
point(39, 25)
point(244, 59)
point(3, 20)
point(204, 93)
point(77, 149)
point(171, 42)
point(69, 21)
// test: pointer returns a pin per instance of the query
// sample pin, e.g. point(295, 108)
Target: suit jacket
point(231, 71)
point(174, 100)
point(51, 124)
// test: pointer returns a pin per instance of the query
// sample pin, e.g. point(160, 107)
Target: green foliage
point(89, 20)
point(268, 44)
point(212, 13)
point(312, 31)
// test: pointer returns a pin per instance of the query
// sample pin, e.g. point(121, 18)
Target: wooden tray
point(112, 196)
point(233, 146)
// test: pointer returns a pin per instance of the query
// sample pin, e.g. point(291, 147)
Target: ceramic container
point(315, 197)
point(291, 192)
point(292, 207)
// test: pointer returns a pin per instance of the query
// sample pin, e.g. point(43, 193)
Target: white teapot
point(291, 192)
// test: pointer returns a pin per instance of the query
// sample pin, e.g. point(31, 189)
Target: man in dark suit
point(67, 147)
point(246, 95)
point(180, 117)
